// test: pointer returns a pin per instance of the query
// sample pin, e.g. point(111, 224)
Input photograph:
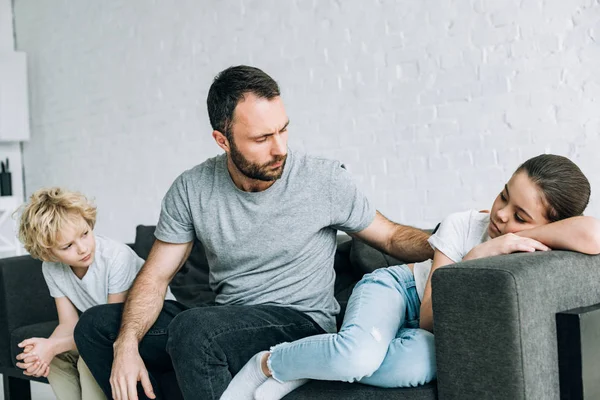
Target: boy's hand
point(36, 356)
point(26, 357)
point(505, 244)
point(38, 370)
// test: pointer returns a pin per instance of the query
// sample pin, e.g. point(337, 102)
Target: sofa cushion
point(366, 259)
point(144, 239)
point(190, 285)
point(326, 390)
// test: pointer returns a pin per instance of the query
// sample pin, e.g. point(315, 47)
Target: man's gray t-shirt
point(272, 247)
point(113, 270)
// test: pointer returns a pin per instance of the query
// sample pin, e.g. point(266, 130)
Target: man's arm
point(146, 296)
point(400, 241)
point(144, 303)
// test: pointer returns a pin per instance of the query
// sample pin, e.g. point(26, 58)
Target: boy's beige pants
point(71, 379)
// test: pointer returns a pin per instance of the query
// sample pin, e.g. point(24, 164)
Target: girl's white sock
point(243, 385)
point(273, 390)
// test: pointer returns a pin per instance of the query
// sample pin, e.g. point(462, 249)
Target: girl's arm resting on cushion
point(581, 234)
point(505, 244)
point(426, 318)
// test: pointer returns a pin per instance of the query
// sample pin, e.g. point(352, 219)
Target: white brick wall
point(431, 104)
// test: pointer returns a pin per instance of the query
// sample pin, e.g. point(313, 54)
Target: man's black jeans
point(205, 346)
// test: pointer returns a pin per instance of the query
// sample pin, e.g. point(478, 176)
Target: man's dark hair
point(565, 188)
point(229, 88)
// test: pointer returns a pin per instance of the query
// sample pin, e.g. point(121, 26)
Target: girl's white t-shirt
point(457, 235)
point(114, 268)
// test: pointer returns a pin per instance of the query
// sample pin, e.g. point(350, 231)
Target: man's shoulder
point(315, 166)
point(315, 160)
point(202, 170)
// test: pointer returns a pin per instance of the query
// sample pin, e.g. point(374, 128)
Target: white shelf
point(8, 240)
point(8, 203)
point(14, 103)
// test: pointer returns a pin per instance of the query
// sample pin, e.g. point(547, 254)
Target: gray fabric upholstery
point(324, 390)
point(495, 322)
point(366, 259)
point(495, 319)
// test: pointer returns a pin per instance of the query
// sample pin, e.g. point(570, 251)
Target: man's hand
point(505, 244)
point(403, 242)
point(127, 370)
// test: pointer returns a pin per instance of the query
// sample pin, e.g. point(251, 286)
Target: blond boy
point(81, 270)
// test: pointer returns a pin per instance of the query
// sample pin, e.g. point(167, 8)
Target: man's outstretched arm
point(143, 305)
point(400, 241)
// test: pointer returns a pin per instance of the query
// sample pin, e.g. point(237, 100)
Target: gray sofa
point(495, 322)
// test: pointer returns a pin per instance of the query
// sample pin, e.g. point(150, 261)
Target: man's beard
point(261, 172)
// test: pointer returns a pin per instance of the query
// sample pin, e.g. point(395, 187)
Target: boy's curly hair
point(48, 211)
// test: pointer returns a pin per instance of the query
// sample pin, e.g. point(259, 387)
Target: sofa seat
point(325, 390)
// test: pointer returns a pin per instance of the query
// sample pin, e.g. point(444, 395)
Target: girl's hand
point(505, 244)
point(36, 356)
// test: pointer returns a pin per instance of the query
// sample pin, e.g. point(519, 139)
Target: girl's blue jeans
point(379, 343)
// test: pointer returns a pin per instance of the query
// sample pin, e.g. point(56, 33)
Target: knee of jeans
point(190, 329)
point(357, 357)
point(94, 320)
point(359, 363)
point(417, 340)
point(418, 345)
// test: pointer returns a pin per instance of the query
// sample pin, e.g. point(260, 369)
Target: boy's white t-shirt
point(114, 268)
point(457, 235)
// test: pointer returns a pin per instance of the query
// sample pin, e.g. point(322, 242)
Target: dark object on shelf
point(578, 352)
point(5, 179)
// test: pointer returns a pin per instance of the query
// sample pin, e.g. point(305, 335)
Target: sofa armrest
point(495, 322)
point(24, 299)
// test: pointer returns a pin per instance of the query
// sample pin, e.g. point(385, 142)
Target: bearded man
point(267, 217)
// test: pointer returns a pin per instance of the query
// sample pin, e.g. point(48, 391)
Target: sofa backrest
point(24, 300)
point(190, 285)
